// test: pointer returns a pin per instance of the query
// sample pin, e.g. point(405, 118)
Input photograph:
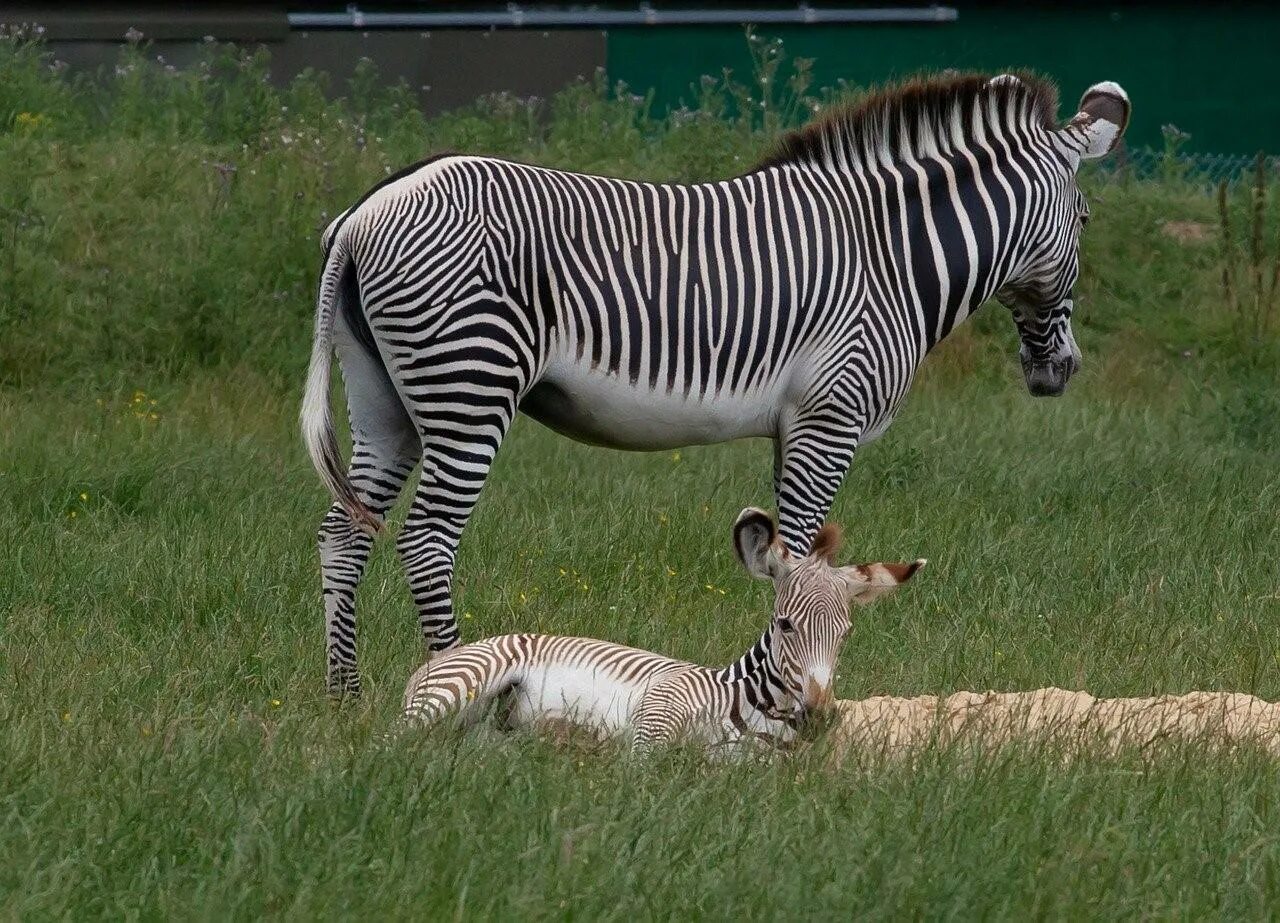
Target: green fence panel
point(1210, 70)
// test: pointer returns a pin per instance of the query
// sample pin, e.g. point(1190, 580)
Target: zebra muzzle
point(1049, 379)
point(816, 697)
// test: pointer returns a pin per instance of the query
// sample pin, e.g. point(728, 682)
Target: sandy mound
point(1187, 232)
point(1072, 720)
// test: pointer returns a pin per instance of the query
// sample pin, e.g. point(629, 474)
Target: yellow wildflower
point(66, 716)
point(29, 121)
point(84, 496)
point(675, 456)
point(275, 703)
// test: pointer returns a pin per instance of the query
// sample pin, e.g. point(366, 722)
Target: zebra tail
point(317, 411)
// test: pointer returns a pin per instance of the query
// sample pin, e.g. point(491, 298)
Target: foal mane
point(918, 118)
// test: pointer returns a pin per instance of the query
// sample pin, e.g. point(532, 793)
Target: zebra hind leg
point(428, 543)
point(344, 553)
point(459, 442)
point(384, 451)
point(463, 685)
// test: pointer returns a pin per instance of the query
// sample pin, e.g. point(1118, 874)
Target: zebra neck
point(760, 677)
point(955, 253)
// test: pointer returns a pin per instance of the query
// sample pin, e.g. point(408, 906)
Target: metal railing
point(515, 16)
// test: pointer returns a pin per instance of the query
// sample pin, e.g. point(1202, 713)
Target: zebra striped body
point(631, 315)
point(795, 302)
point(606, 688)
point(612, 689)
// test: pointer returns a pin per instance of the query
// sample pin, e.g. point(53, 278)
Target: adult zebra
point(795, 302)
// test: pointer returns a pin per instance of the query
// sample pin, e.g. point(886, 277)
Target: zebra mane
point(917, 118)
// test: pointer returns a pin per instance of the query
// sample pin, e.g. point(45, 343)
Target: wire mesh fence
point(1148, 163)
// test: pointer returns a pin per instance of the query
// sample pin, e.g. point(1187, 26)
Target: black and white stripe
point(794, 302)
point(765, 696)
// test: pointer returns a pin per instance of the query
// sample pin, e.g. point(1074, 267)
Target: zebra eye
point(786, 626)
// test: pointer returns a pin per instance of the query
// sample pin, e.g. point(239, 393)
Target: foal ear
point(826, 543)
point(1103, 117)
point(755, 539)
point(868, 582)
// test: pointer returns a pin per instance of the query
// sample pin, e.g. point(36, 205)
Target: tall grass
point(1251, 267)
point(166, 749)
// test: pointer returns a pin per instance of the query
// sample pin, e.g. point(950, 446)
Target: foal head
point(811, 613)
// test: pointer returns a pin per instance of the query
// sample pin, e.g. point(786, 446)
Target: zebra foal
point(764, 696)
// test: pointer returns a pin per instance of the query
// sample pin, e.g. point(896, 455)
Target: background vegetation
point(166, 748)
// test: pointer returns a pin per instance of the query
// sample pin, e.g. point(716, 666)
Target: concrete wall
point(448, 67)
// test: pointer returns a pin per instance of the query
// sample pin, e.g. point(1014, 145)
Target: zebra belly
point(581, 694)
point(603, 408)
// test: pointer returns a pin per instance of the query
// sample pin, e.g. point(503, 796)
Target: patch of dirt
point(1187, 232)
point(1073, 720)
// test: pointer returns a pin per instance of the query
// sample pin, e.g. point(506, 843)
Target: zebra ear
point(1103, 117)
point(755, 539)
point(826, 543)
point(868, 582)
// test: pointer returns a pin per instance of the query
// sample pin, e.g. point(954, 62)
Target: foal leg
point(384, 451)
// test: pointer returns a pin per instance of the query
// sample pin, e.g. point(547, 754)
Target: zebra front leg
point(814, 462)
point(649, 733)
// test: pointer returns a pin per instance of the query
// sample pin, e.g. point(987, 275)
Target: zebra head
point(811, 612)
point(1040, 293)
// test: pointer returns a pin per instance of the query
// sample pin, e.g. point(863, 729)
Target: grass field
point(166, 749)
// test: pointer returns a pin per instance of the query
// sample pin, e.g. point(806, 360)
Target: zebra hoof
point(343, 687)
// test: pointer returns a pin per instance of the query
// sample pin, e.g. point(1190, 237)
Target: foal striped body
point(618, 690)
point(605, 687)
